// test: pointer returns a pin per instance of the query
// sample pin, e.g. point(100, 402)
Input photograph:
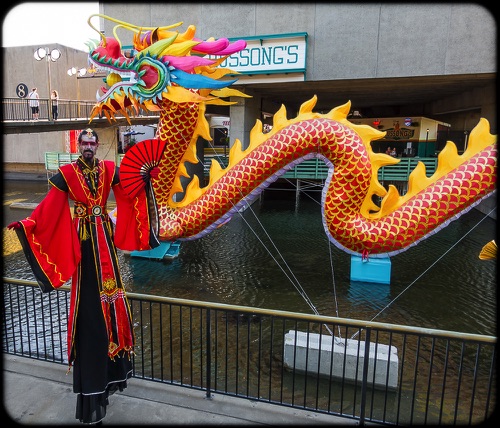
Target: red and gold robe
point(53, 241)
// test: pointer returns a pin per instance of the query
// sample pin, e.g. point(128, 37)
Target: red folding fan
point(138, 161)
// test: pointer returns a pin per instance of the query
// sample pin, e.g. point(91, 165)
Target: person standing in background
point(55, 104)
point(34, 103)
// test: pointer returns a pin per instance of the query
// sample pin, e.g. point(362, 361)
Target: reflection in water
point(369, 294)
point(276, 254)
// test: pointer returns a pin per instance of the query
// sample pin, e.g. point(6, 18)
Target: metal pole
point(297, 194)
point(426, 142)
point(209, 359)
point(47, 57)
point(364, 382)
point(78, 93)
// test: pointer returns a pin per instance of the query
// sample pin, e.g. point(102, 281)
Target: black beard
point(88, 155)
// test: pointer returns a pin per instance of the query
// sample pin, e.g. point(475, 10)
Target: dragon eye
point(150, 76)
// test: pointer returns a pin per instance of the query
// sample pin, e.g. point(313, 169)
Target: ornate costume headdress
point(88, 135)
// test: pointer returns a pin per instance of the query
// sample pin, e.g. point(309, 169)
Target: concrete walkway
point(40, 393)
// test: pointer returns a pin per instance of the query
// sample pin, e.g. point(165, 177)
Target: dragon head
point(163, 65)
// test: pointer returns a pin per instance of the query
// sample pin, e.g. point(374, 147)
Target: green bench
point(53, 160)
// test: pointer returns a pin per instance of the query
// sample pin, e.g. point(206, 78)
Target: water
point(276, 253)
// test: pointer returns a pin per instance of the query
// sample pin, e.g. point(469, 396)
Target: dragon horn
point(157, 48)
point(197, 81)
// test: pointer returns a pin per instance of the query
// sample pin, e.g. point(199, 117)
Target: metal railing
point(383, 373)
point(18, 109)
point(316, 169)
point(402, 170)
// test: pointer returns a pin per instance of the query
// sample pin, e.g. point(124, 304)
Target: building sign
point(283, 54)
point(266, 59)
point(22, 90)
point(404, 128)
point(396, 128)
point(399, 133)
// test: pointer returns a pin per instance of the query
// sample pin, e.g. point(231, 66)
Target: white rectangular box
point(382, 365)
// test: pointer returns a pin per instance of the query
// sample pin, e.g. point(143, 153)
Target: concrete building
point(372, 46)
point(434, 60)
point(24, 152)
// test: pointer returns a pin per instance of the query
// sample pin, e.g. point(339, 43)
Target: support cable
point(333, 272)
point(295, 282)
point(427, 270)
point(300, 289)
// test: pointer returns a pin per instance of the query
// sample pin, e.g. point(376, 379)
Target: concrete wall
point(25, 152)
point(345, 41)
point(19, 66)
point(348, 41)
point(452, 111)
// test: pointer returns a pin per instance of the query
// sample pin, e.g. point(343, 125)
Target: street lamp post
point(73, 71)
point(426, 142)
point(50, 56)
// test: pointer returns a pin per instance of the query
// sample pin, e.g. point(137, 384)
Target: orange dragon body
point(163, 76)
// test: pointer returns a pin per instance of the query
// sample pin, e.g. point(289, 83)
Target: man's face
point(88, 147)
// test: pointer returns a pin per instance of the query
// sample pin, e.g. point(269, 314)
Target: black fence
point(367, 371)
point(18, 109)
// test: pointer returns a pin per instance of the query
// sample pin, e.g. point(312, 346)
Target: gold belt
point(82, 210)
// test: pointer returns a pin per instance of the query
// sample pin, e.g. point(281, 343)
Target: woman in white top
point(34, 103)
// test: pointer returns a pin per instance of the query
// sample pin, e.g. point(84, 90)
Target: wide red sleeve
point(50, 241)
point(133, 231)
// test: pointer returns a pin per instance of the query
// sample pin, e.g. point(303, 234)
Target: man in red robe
point(59, 246)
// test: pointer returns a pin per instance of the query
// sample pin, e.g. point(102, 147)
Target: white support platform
point(385, 361)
